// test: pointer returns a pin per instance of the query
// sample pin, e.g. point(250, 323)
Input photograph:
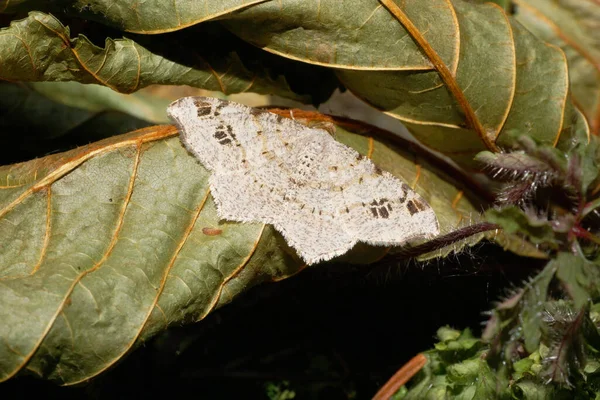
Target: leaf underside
point(460, 75)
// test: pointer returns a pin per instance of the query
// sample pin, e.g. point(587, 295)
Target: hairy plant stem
point(442, 241)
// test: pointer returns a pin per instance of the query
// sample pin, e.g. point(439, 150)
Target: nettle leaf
point(458, 84)
point(40, 48)
point(580, 278)
point(573, 26)
point(565, 342)
point(110, 243)
point(519, 317)
point(514, 220)
point(460, 374)
point(516, 164)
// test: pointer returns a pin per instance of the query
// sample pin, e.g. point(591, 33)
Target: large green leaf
point(441, 79)
point(148, 17)
point(460, 75)
point(39, 48)
point(107, 244)
point(573, 26)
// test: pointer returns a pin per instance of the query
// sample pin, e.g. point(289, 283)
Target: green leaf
point(579, 277)
point(104, 246)
point(456, 374)
point(148, 17)
point(516, 162)
point(519, 317)
point(459, 84)
point(110, 243)
point(39, 48)
point(516, 244)
point(515, 220)
point(572, 26)
point(97, 98)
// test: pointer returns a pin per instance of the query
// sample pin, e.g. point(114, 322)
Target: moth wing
point(382, 210)
point(314, 235)
point(217, 132)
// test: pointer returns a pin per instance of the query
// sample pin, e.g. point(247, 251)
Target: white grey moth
point(322, 196)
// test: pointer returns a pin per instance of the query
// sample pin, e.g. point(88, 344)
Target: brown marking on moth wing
point(211, 231)
point(402, 198)
point(420, 205)
point(414, 206)
point(230, 132)
point(224, 134)
point(378, 170)
point(381, 208)
point(203, 107)
point(219, 107)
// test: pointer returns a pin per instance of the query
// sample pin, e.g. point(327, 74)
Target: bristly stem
point(443, 241)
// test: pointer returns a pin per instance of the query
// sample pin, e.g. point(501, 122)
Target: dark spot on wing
point(203, 107)
point(402, 198)
point(224, 135)
point(220, 135)
point(203, 111)
point(412, 207)
point(383, 212)
point(218, 108)
point(420, 205)
point(381, 208)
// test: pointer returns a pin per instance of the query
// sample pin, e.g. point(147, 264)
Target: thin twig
point(400, 378)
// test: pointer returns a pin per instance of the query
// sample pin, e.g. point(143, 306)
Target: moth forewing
point(320, 194)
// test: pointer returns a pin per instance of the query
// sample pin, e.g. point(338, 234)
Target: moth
point(321, 195)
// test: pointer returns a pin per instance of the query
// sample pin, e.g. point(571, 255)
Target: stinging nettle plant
point(106, 245)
